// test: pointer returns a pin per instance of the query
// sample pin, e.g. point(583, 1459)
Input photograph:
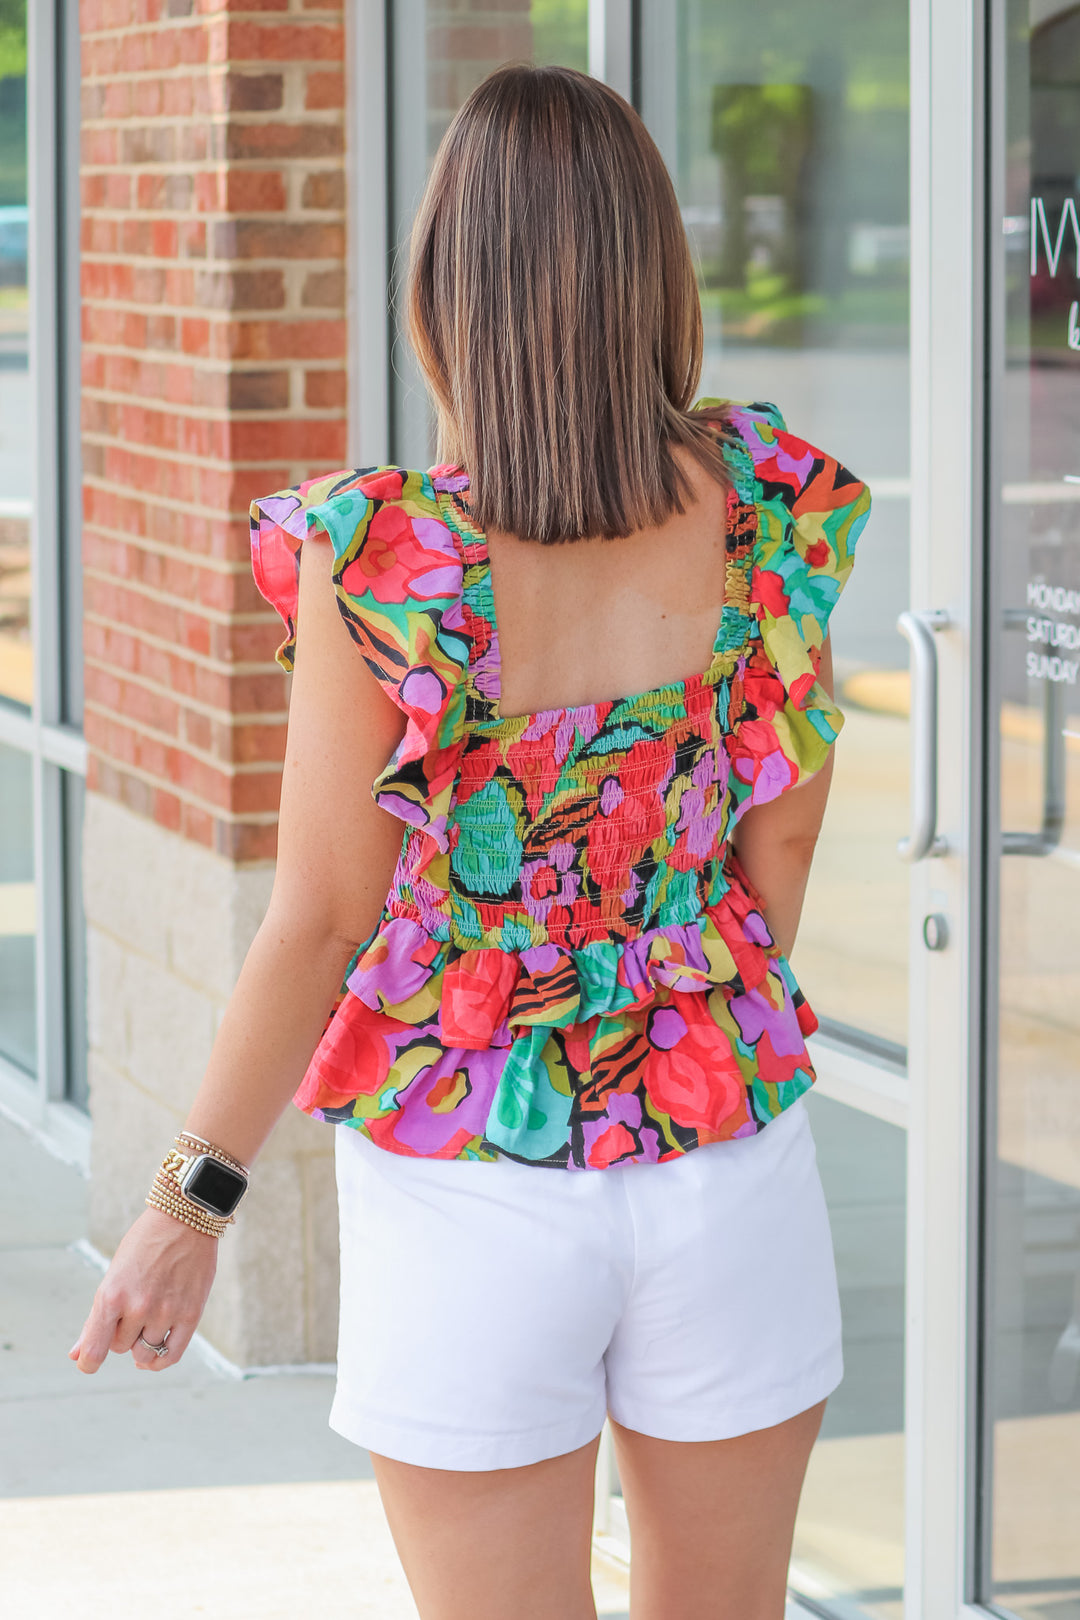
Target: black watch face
point(214, 1186)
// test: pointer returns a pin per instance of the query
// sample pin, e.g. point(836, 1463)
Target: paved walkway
point(187, 1493)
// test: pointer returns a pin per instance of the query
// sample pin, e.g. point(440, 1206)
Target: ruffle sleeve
point(398, 583)
point(810, 513)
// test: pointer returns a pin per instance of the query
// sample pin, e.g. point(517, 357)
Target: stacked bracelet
point(169, 1191)
point(201, 1145)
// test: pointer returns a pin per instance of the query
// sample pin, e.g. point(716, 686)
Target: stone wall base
point(168, 926)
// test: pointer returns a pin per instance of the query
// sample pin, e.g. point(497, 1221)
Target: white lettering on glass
point(1049, 632)
point(1055, 598)
point(1052, 632)
point(1042, 668)
point(1040, 232)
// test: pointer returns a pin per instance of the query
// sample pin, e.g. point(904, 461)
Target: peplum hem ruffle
point(693, 1029)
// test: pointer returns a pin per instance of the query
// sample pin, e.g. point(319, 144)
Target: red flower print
point(394, 565)
point(768, 589)
point(352, 1059)
point(764, 692)
point(383, 486)
point(476, 991)
point(818, 554)
point(691, 1073)
point(801, 687)
point(617, 840)
point(611, 1145)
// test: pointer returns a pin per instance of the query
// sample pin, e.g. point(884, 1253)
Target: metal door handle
point(918, 630)
point(1049, 834)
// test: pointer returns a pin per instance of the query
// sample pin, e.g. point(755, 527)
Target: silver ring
point(161, 1349)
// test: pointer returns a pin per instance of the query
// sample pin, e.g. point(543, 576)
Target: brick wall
point(214, 346)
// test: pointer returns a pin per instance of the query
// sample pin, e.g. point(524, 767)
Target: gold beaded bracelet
point(201, 1220)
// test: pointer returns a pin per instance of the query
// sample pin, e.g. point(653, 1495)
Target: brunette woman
point(537, 976)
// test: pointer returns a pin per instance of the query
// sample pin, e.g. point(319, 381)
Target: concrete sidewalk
point(184, 1493)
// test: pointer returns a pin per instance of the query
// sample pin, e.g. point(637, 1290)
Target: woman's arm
point(774, 843)
point(336, 856)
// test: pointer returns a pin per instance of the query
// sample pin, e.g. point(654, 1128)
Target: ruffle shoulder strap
point(810, 513)
point(398, 582)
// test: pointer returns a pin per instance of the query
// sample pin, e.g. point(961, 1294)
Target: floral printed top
point(571, 968)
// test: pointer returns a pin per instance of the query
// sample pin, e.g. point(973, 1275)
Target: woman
point(574, 908)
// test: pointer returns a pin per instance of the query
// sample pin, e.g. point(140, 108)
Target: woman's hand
point(157, 1284)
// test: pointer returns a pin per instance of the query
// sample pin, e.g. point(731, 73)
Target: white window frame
point(52, 744)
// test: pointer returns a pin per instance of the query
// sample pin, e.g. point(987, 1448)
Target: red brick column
point(213, 370)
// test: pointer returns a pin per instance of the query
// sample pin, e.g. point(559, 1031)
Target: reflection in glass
point(849, 1538)
point(785, 126)
point(16, 666)
point(18, 910)
point(1033, 1300)
point(441, 51)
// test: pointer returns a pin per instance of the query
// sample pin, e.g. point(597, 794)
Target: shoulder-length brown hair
point(553, 307)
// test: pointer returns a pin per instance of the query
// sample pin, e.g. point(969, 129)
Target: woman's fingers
point(95, 1340)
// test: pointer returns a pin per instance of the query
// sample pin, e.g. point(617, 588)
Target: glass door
point(1030, 1529)
point(785, 126)
point(439, 52)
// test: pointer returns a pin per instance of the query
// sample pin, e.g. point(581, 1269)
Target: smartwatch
point(213, 1185)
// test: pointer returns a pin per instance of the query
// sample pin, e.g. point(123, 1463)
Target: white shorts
point(492, 1313)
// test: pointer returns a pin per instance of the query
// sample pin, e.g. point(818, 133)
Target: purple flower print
point(288, 512)
point(756, 1016)
point(611, 795)
point(423, 690)
point(700, 829)
point(567, 724)
point(773, 776)
point(452, 482)
point(755, 929)
point(426, 1125)
point(398, 974)
point(667, 1026)
point(550, 882)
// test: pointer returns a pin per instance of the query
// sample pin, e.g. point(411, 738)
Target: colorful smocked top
point(571, 967)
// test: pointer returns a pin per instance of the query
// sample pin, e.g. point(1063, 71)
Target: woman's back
point(594, 619)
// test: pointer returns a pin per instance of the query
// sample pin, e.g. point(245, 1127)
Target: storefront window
point(1032, 1346)
point(441, 51)
point(16, 466)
